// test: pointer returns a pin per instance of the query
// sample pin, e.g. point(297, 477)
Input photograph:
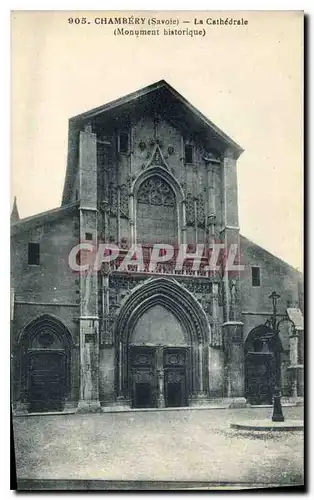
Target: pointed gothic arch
point(47, 321)
point(162, 173)
point(174, 297)
point(44, 363)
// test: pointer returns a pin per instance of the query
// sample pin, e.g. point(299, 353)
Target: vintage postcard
point(156, 249)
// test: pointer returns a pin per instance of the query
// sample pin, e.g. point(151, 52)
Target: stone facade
point(148, 168)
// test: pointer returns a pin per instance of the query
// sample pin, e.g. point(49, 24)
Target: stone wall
point(256, 305)
point(117, 171)
point(50, 288)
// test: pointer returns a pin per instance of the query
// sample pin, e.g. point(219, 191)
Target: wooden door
point(259, 377)
point(175, 388)
point(143, 381)
point(46, 381)
point(175, 369)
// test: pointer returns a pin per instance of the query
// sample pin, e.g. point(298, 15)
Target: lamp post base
point(277, 410)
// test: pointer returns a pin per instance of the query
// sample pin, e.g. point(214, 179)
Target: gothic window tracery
point(156, 212)
point(155, 191)
point(195, 208)
point(200, 211)
point(190, 213)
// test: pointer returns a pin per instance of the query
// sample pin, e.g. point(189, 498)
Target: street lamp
point(277, 408)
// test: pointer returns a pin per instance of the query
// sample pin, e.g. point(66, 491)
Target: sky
point(246, 79)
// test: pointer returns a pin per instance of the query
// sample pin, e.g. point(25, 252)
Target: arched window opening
point(156, 212)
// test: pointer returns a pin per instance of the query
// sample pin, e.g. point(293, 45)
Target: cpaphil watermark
point(159, 257)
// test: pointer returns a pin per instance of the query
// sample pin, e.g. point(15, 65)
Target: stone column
point(233, 326)
point(104, 232)
point(131, 218)
point(183, 232)
point(161, 388)
point(118, 214)
point(89, 365)
point(234, 362)
point(200, 367)
point(105, 336)
point(294, 360)
point(293, 341)
point(160, 378)
point(300, 383)
point(216, 373)
point(230, 230)
point(89, 318)
point(199, 397)
point(195, 219)
point(122, 400)
point(211, 193)
point(211, 209)
point(216, 336)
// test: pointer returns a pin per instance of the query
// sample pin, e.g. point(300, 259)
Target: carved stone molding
point(113, 200)
point(200, 211)
point(216, 334)
point(131, 178)
point(156, 157)
point(191, 209)
point(169, 293)
point(104, 205)
point(124, 201)
point(197, 286)
point(120, 282)
point(190, 212)
point(107, 327)
point(211, 219)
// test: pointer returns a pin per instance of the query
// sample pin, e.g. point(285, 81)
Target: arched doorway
point(45, 352)
point(160, 337)
point(261, 351)
point(159, 351)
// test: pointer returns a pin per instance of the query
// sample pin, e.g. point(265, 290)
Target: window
point(256, 276)
point(188, 153)
point(156, 212)
point(33, 254)
point(88, 237)
point(123, 143)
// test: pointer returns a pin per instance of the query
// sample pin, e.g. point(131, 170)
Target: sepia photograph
point(157, 292)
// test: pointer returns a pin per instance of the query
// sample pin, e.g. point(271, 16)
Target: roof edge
point(281, 261)
point(151, 88)
point(42, 217)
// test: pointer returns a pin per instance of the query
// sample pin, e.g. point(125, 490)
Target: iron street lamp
point(277, 408)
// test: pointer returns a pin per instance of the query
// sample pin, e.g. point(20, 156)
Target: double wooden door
point(260, 377)
point(158, 376)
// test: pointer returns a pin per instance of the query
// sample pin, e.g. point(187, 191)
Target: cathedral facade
point(146, 175)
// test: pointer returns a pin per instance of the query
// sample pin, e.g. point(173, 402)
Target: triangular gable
point(159, 94)
point(161, 86)
point(157, 158)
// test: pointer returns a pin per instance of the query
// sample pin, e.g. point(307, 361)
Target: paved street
point(194, 445)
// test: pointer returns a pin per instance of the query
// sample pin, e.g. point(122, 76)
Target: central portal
point(161, 338)
point(158, 376)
